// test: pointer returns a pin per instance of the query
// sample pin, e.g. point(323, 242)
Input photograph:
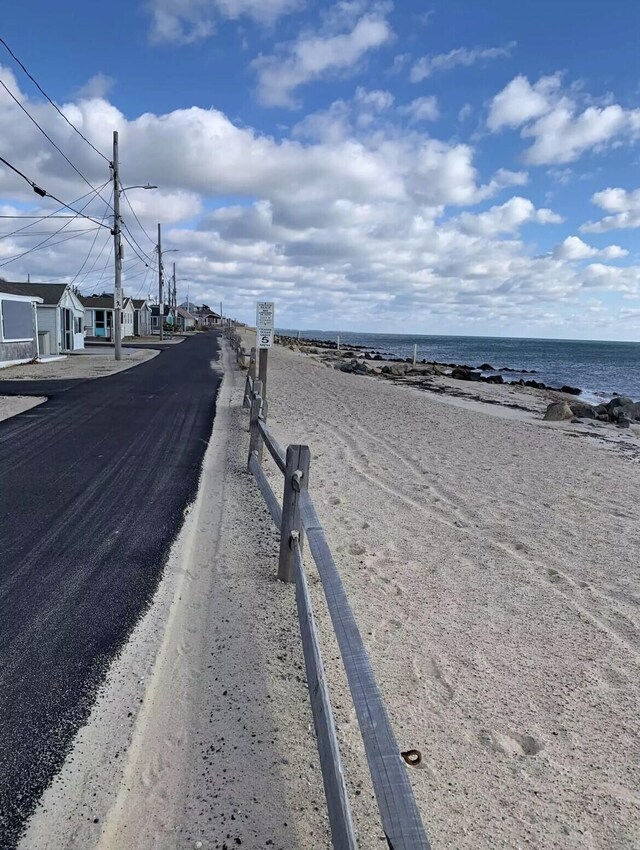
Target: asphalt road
point(93, 484)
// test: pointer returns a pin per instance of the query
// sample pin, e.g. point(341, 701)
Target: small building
point(98, 317)
point(60, 316)
point(168, 318)
point(18, 327)
point(141, 317)
point(209, 319)
point(127, 317)
point(185, 321)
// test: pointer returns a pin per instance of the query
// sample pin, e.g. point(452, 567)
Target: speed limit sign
point(265, 315)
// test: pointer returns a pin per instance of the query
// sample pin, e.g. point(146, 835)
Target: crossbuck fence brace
point(297, 518)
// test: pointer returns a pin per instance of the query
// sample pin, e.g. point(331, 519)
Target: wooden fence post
point(255, 437)
point(263, 360)
point(296, 478)
point(251, 376)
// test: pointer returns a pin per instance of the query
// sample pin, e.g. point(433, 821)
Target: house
point(127, 317)
point(141, 317)
point(18, 327)
point(98, 316)
point(209, 319)
point(168, 320)
point(60, 316)
point(185, 321)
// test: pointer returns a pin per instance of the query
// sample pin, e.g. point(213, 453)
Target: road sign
point(265, 315)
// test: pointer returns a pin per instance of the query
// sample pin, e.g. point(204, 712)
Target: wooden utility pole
point(160, 293)
point(117, 253)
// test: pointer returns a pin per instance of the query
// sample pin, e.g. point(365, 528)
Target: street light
point(117, 245)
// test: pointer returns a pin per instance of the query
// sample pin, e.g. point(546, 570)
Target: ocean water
point(600, 369)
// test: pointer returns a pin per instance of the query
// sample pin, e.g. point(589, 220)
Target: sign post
point(265, 315)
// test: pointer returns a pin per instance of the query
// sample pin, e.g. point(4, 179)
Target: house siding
point(20, 351)
point(48, 320)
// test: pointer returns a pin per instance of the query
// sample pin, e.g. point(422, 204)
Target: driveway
point(93, 485)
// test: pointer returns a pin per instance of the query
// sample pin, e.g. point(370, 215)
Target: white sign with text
point(265, 315)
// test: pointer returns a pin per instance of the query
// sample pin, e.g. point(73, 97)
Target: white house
point(127, 317)
point(60, 316)
point(98, 316)
point(141, 317)
point(18, 327)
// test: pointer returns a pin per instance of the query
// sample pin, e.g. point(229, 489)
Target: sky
point(442, 167)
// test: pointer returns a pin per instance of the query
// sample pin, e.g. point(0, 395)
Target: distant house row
point(48, 319)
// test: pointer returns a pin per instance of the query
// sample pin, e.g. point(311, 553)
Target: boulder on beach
point(558, 411)
point(582, 410)
point(486, 367)
point(460, 373)
point(570, 390)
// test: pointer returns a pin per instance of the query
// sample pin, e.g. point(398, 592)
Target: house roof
point(167, 310)
point(138, 303)
point(206, 313)
point(51, 293)
point(185, 314)
point(99, 301)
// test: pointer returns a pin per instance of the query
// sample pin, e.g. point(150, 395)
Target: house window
point(17, 321)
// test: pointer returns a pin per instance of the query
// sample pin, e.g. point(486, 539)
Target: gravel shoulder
point(78, 366)
point(13, 405)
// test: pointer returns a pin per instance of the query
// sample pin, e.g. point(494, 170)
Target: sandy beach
point(491, 560)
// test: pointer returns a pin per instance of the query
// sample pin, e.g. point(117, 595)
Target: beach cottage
point(141, 317)
point(184, 320)
point(168, 320)
point(18, 327)
point(98, 317)
point(60, 315)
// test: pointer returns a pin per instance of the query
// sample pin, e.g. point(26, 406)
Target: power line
point(86, 260)
point(138, 245)
point(47, 136)
point(51, 236)
point(136, 217)
point(128, 241)
point(55, 106)
point(88, 272)
point(41, 245)
point(44, 194)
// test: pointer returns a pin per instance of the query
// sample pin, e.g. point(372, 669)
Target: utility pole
point(117, 252)
point(160, 303)
point(174, 300)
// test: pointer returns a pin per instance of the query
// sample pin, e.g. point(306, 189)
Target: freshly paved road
point(93, 484)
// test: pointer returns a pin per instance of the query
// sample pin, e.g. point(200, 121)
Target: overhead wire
point(52, 215)
point(48, 137)
point(51, 236)
point(42, 245)
point(55, 106)
point(86, 260)
point(45, 194)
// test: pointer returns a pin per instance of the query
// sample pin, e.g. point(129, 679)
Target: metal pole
point(117, 252)
point(174, 299)
point(160, 303)
point(415, 353)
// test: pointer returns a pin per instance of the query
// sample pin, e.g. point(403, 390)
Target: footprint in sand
point(510, 743)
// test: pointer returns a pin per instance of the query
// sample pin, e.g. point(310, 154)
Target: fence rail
point(296, 518)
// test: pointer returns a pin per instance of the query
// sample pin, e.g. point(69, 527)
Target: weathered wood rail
point(296, 518)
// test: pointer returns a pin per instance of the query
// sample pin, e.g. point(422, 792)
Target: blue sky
point(445, 167)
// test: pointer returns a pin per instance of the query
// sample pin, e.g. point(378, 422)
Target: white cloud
point(97, 86)
point(421, 109)
point(314, 55)
point(189, 21)
point(519, 101)
point(341, 224)
point(465, 112)
point(624, 209)
point(505, 218)
point(561, 130)
point(461, 56)
point(573, 248)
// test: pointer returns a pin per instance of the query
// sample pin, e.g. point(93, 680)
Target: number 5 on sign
point(265, 315)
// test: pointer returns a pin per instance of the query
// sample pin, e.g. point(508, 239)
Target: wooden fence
point(296, 518)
